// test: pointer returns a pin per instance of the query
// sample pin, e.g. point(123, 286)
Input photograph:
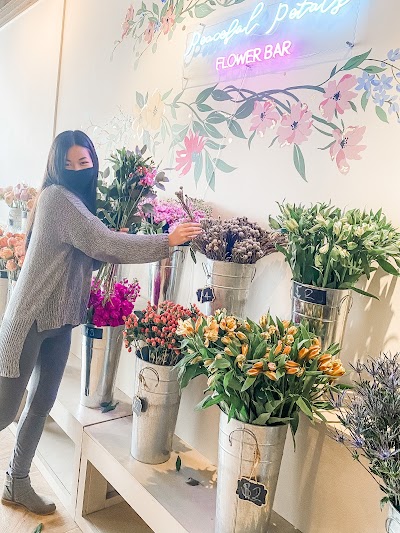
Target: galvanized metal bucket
point(165, 275)
point(325, 311)
point(250, 453)
point(3, 292)
point(393, 520)
point(230, 283)
point(153, 428)
point(15, 219)
point(101, 351)
point(10, 288)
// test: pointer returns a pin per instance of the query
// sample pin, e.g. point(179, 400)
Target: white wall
point(321, 490)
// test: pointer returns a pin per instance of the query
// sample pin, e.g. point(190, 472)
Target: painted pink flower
point(295, 126)
point(347, 146)
point(128, 19)
point(168, 21)
point(194, 144)
point(265, 116)
point(338, 96)
point(149, 32)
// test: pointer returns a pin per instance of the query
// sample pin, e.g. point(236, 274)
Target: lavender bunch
point(371, 416)
point(236, 240)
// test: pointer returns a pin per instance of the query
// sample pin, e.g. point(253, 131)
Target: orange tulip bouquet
point(262, 374)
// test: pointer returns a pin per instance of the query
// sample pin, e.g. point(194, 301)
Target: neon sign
point(271, 18)
point(254, 55)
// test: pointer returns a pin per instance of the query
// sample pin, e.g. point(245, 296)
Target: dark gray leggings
point(43, 360)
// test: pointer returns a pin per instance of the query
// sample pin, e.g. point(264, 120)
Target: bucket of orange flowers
point(152, 334)
point(12, 256)
point(261, 376)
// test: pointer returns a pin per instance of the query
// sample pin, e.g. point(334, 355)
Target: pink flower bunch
point(12, 253)
point(170, 213)
point(113, 311)
point(149, 178)
point(21, 196)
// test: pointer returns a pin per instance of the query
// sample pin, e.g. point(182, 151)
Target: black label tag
point(92, 332)
point(310, 294)
point(139, 405)
point(3, 274)
point(251, 491)
point(205, 295)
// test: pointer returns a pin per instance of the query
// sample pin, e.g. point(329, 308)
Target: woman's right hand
point(184, 232)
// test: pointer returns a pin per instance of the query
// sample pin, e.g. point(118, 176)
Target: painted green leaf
point(198, 168)
point(215, 118)
point(273, 141)
point(204, 108)
point(202, 97)
point(139, 99)
point(245, 110)
point(353, 106)
point(299, 162)
point(156, 10)
point(154, 48)
point(165, 95)
point(333, 71)
point(236, 129)
point(220, 96)
point(202, 10)
point(214, 146)
point(251, 138)
point(381, 114)
point(224, 167)
point(212, 130)
point(356, 61)
point(373, 69)
point(323, 121)
point(210, 171)
point(364, 100)
point(327, 146)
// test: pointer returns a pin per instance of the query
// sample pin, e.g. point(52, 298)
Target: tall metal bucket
point(325, 311)
point(101, 351)
point(154, 424)
point(3, 293)
point(393, 520)
point(164, 277)
point(15, 219)
point(230, 283)
point(249, 460)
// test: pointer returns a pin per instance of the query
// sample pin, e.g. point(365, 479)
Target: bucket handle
point(142, 380)
point(342, 301)
point(208, 274)
point(257, 453)
point(389, 521)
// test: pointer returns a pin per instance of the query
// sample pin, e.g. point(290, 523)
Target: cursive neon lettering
point(305, 7)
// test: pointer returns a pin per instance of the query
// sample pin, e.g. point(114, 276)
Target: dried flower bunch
point(371, 417)
point(12, 253)
point(236, 240)
point(21, 196)
point(153, 332)
point(262, 374)
point(112, 311)
point(332, 248)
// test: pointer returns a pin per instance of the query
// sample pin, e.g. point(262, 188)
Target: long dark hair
point(56, 164)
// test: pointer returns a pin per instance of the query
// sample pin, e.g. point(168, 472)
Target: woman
point(65, 243)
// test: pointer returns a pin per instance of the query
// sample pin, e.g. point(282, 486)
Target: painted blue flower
point(398, 87)
point(379, 98)
point(365, 82)
point(394, 106)
point(383, 84)
point(394, 55)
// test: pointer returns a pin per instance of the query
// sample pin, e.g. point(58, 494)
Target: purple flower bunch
point(165, 215)
point(112, 311)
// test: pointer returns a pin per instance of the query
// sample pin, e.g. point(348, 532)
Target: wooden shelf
point(119, 518)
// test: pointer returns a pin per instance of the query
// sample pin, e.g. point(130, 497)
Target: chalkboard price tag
point(251, 491)
point(312, 295)
point(92, 332)
point(205, 295)
point(138, 405)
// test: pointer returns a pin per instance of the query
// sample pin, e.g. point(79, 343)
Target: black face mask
point(79, 182)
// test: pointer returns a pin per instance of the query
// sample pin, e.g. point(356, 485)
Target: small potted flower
point(102, 339)
point(261, 376)
point(152, 333)
point(370, 416)
point(329, 250)
point(162, 216)
point(232, 247)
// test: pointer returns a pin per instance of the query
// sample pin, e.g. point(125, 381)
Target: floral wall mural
point(283, 115)
point(149, 24)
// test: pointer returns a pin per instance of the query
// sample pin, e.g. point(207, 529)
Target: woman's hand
point(184, 232)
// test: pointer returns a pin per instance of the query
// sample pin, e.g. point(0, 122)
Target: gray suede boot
point(19, 492)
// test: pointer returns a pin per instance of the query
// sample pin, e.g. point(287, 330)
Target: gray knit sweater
point(54, 284)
